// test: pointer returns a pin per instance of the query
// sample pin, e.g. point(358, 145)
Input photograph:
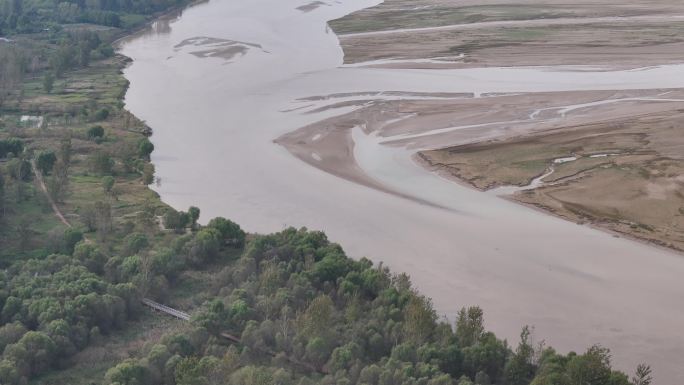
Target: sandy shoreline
point(444, 173)
point(519, 33)
point(337, 146)
point(420, 125)
point(641, 154)
point(646, 241)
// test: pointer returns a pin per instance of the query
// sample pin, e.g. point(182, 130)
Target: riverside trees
point(23, 16)
point(305, 313)
point(51, 308)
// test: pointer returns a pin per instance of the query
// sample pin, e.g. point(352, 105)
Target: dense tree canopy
point(45, 161)
point(302, 311)
point(30, 16)
point(305, 313)
point(49, 309)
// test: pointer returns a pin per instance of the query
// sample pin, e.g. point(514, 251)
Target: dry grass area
point(521, 32)
point(633, 45)
point(397, 14)
point(628, 176)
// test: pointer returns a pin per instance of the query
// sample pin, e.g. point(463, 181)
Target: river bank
point(536, 270)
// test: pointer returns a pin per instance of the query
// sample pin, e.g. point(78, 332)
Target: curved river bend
point(216, 85)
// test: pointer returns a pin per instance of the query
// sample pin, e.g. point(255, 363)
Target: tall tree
point(193, 213)
point(2, 196)
point(103, 215)
point(60, 183)
point(48, 82)
point(108, 184)
point(315, 321)
point(469, 325)
point(45, 161)
point(520, 368)
point(419, 319)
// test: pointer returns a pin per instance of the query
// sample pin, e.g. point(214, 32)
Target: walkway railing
point(165, 309)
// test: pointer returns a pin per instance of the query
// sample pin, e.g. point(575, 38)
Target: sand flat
point(515, 33)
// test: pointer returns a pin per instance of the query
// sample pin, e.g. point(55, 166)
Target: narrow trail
point(186, 317)
point(41, 184)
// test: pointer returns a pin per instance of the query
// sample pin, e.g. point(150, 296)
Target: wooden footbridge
point(165, 309)
point(186, 317)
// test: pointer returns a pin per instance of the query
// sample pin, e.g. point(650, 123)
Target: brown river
point(221, 81)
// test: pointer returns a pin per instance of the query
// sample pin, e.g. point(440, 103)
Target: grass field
point(68, 112)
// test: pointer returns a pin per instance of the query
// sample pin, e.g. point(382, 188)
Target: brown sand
point(512, 139)
point(514, 33)
point(627, 178)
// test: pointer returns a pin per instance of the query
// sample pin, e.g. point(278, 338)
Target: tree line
point(292, 293)
point(34, 16)
point(296, 294)
point(53, 308)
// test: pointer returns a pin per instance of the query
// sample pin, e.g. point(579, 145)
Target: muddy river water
point(221, 81)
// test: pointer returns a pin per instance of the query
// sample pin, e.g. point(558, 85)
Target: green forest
point(303, 312)
point(32, 16)
point(83, 240)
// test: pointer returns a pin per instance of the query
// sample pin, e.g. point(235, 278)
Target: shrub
point(45, 161)
point(101, 114)
point(95, 132)
point(71, 238)
point(145, 148)
point(11, 146)
point(230, 231)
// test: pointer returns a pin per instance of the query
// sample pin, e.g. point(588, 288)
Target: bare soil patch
point(628, 176)
point(516, 33)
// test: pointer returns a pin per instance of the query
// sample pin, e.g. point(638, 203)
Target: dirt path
point(41, 183)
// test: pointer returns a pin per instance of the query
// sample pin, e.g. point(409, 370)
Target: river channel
point(220, 82)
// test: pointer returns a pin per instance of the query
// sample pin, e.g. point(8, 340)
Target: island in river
point(626, 173)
